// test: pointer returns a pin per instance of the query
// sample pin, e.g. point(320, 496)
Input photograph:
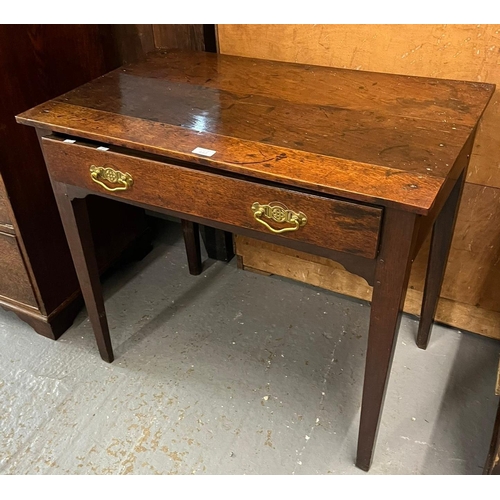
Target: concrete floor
point(231, 372)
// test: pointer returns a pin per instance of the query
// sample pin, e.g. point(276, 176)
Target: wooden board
point(267, 258)
point(179, 36)
point(469, 298)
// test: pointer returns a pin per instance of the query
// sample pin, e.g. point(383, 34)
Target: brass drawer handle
point(278, 213)
point(100, 174)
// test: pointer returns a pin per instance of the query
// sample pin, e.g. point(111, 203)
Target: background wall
point(469, 298)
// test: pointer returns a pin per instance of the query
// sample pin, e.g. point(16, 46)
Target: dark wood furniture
point(351, 165)
point(37, 277)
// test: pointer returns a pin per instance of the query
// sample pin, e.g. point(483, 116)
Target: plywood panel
point(264, 257)
point(473, 271)
point(443, 51)
point(469, 298)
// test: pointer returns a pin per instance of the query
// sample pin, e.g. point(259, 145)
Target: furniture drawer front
point(317, 220)
point(14, 281)
point(4, 213)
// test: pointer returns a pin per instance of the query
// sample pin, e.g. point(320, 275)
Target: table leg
point(442, 234)
point(492, 466)
point(391, 279)
point(191, 231)
point(76, 225)
point(218, 243)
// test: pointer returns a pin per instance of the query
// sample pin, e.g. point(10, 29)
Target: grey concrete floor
point(231, 372)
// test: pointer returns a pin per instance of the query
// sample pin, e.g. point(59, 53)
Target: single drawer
point(317, 220)
point(4, 213)
point(14, 280)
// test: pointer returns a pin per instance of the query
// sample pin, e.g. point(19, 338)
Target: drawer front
point(14, 281)
point(4, 213)
point(325, 222)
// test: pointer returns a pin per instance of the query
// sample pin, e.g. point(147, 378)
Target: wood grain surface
point(15, 284)
point(333, 224)
point(4, 212)
point(465, 52)
point(179, 36)
point(379, 138)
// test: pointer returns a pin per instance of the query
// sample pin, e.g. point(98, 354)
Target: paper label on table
point(69, 141)
point(102, 148)
point(203, 151)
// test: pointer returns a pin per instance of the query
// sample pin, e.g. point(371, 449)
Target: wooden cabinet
point(15, 284)
point(4, 212)
point(37, 277)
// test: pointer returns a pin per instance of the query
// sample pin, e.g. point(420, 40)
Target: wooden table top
point(373, 137)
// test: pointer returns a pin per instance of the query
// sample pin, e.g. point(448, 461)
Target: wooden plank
point(442, 51)
point(146, 37)
point(484, 167)
point(473, 272)
point(463, 52)
point(179, 36)
point(327, 274)
point(132, 42)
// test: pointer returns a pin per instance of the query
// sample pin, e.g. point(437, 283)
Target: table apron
point(290, 215)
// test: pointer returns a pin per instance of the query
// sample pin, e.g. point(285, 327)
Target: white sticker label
point(69, 141)
point(203, 151)
point(102, 148)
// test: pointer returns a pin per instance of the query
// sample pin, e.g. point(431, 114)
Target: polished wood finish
point(442, 233)
point(334, 224)
point(38, 62)
point(389, 290)
point(75, 219)
point(378, 157)
point(15, 284)
point(4, 212)
point(51, 326)
point(360, 135)
point(469, 296)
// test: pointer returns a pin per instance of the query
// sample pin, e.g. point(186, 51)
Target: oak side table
point(351, 165)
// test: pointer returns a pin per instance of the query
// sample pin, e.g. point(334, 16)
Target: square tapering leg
point(389, 290)
point(191, 232)
point(76, 225)
point(442, 234)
